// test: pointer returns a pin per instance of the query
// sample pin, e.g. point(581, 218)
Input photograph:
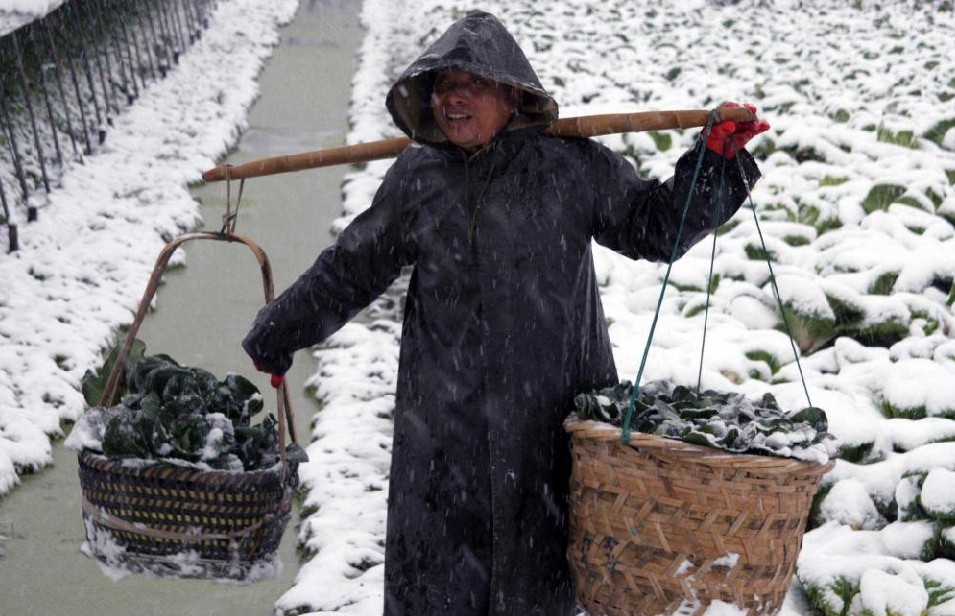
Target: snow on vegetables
point(178, 414)
point(726, 421)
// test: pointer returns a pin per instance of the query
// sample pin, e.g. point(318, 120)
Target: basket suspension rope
point(227, 232)
point(231, 214)
point(772, 280)
point(626, 428)
point(625, 434)
point(709, 277)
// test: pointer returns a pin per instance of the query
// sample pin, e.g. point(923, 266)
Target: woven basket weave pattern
point(236, 517)
point(228, 521)
point(660, 523)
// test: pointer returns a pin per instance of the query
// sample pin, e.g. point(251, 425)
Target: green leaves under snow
point(172, 412)
point(726, 421)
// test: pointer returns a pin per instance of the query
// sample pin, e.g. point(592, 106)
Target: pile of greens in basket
point(724, 420)
point(177, 414)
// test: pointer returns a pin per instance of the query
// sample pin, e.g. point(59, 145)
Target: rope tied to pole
point(625, 435)
point(231, 216)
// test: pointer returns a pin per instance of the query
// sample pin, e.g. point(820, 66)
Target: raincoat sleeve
point(640, 218)
point(345, 278)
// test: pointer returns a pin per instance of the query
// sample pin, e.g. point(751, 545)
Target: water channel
point(202, 312)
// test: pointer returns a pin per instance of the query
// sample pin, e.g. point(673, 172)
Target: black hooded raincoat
point(503, 326)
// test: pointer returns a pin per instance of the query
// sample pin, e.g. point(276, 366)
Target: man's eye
point(474, 85)
point(444, 86)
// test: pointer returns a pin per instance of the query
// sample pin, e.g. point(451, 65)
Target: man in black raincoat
point(503, 324)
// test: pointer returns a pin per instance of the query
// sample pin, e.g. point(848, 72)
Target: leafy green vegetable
point(94, 383)
point(256, 443)
point(129, 434)
point(172, 411)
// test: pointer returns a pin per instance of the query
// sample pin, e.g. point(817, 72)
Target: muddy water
point(202, 312)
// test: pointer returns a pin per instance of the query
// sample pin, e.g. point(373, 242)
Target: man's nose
point(457, 93)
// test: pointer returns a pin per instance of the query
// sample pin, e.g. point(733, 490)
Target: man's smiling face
point(470, 110)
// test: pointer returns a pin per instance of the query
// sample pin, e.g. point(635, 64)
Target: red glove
point(276, 379)
point(728, 137)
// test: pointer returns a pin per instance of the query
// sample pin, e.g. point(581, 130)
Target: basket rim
point(145, 466)
point(602, 431)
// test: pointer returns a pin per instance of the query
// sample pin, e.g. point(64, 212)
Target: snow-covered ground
point(80, 268)
point(16, 13)
point(856, 207)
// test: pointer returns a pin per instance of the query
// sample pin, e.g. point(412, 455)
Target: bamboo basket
point(178, 520)
point(659, 526)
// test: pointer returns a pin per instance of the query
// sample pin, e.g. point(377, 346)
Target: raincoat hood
point(478, 44)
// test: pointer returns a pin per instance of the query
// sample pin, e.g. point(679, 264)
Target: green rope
point(625, 435)
point(709, 277)
point(772, 280)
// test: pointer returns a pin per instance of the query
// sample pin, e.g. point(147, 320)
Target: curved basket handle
point(111, 391)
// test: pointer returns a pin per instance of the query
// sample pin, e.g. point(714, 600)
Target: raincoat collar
point(478, 44)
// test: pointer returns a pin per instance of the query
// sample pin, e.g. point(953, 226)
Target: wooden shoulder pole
point(581, 126)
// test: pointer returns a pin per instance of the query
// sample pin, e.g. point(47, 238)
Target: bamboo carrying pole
point(582, 126)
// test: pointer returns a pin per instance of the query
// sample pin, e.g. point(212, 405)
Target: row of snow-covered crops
point(66, 75)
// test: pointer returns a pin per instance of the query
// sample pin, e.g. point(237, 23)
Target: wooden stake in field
point(582, 126)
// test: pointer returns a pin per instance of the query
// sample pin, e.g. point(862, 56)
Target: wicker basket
point(178, 520)
point(660, 526)
point(182, 521)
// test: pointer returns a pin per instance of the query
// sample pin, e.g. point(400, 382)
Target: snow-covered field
point(856, 207)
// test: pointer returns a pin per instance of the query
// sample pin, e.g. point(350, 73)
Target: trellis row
point(65, 76)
